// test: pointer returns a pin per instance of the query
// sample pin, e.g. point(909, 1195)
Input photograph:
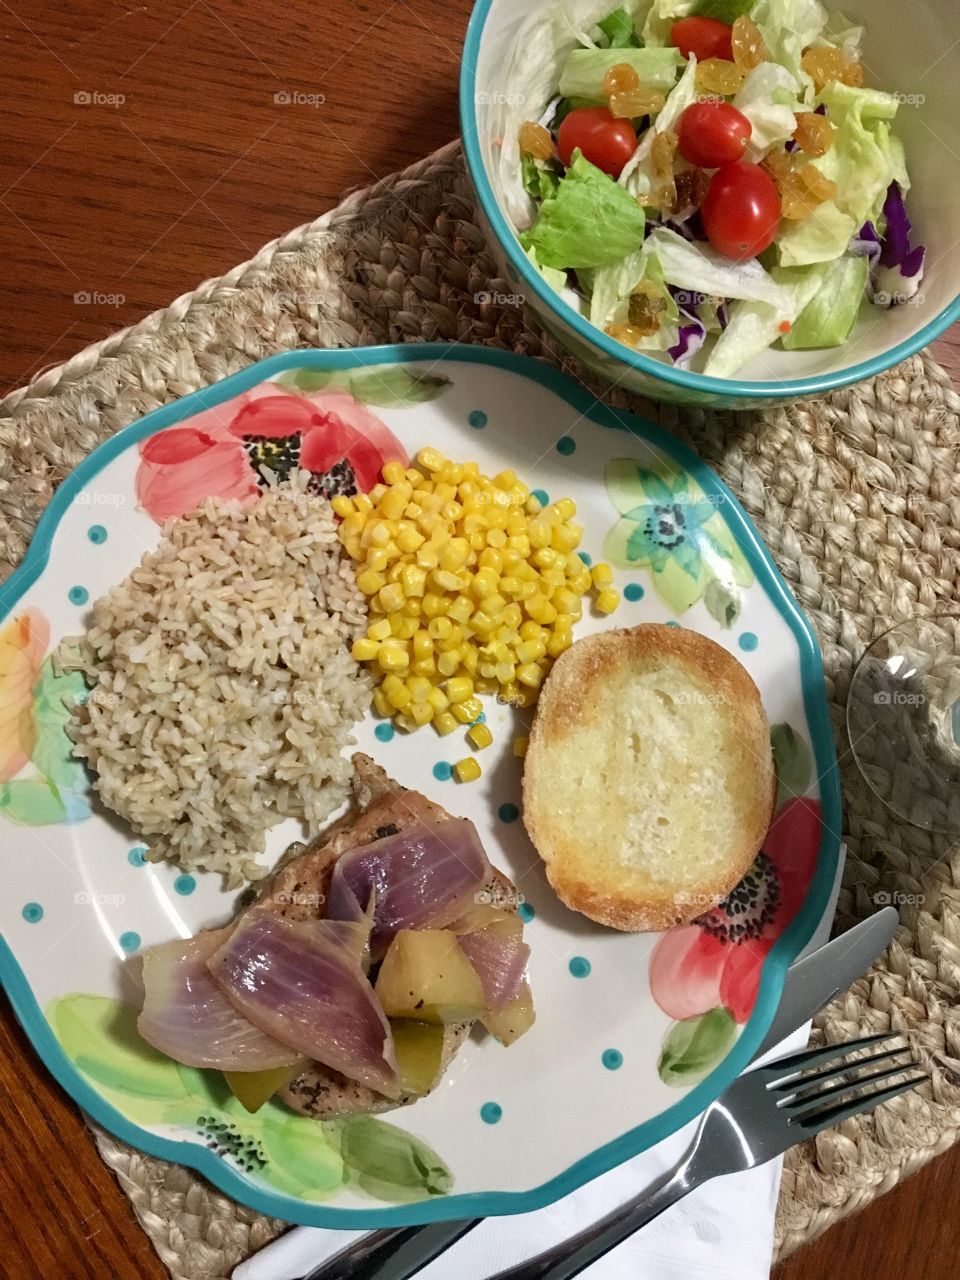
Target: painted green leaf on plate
point(386, 386)
point(693, 1047)
point(794, 761)
point(53, 697)
point(389, 1163)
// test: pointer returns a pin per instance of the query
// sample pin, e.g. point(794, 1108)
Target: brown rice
point(222, 689)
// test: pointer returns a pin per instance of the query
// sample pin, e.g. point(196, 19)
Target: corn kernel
point(364, 649)
point(454, 554)
point(565, 537)
point(393, 473)
point(490, 558)
point(392, 656)
point(520, 543)
point(480, 736)
point(353, 526)
point(511, 616)
point(370, 582)
point(559, 643)
point(461, 609)
point(380, 630)
point(434, 605)
point(580, 581)
point(405, 722)
point(504, 672)
point(391, 597)
point(380, 703)
point(459, 689)
point(380, 533)
point(520, 746)
point(482, 624)
point(601, 575)
point(510, 691)
point(532, 505)
point(467, 770)
point(414, 478)
point(393, 502)
point(530, 674)
point(421, 712)
point(362, 503)
point(419, 687)
point(438, 699)
point(422, 646)
point(444, 580)
point(439, 627)
point(400, 697)
point(413, 580)
point(608, 600)
point(484, 583)
point(448, 662)
point(409, 538)
point(565, 601)
point(431, 459)
point(444, 722)
point(467, 711)
point(428, 557)
point(342, 505)
point(531, 650)
point(566, 508)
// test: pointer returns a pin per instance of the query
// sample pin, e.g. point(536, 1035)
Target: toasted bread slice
point(649, 781)
point(298, 889)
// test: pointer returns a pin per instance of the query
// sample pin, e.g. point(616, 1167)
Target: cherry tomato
point(706, 37)
point(741, 211)
point(711, 134)
point(605, 141)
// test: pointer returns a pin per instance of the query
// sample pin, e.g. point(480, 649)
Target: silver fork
point(760, 1116)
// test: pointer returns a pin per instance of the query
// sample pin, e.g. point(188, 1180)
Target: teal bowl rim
point(790, 943)
point(815, 384)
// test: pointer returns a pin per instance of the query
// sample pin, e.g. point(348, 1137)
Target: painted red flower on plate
point(716, 961)
point(220, 452)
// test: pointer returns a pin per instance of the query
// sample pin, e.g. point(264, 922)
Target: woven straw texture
point(857, 496)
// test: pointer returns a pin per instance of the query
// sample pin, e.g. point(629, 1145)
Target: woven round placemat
point(857, 496)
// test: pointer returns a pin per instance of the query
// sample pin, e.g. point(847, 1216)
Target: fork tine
point(775, 1071)
point(799, 1086)
point(809, 1103)
point(817, 1121)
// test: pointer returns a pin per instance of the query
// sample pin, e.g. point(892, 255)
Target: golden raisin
point(620, 79)
point(641, 102)
point(535, 140)
point(646, 305)
point(823, 64)
point(749, 49)
point(852, 74)
point(777, 164)
point(664, 190)
point(625, 333)
point(803, 190)
point(717, 75)
point(692, 186)
point(813, 134)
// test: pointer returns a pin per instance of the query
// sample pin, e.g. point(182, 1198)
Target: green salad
point(713, 177)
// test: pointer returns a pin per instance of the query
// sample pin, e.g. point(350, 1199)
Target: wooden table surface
point(142, 149)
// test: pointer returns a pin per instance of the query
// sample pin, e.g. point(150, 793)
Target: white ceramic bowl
point(907, 50)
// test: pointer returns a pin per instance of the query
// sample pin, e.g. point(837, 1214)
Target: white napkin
point(723, 1229)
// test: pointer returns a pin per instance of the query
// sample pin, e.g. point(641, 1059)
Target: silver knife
point(810, 983)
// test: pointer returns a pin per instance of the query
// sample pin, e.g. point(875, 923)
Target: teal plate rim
point(784, 951)
point(784, 389)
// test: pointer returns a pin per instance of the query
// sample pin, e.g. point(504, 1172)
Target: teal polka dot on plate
point(612, 1059)
point(674, 624)
point(579, 966)
point(32, 913)
point(541, 496)
point(526, 912)
point(184, 885)
point(97, 533)
point(491, 1112)
point(78, 595)
point(443, 771)
point(478, 419)
point(508, 812)
point(586, 557)
point(383, 732)
point(137, 857)
point(566, 445)
point(130, 941)
point(633, 591)
point(748, 642)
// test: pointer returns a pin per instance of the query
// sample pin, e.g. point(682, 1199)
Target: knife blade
point(816, 979)
point(810, 983)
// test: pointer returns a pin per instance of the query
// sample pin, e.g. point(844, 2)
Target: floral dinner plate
point(635, 1033)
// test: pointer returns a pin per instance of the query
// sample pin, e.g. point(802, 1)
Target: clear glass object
point(903, 721)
